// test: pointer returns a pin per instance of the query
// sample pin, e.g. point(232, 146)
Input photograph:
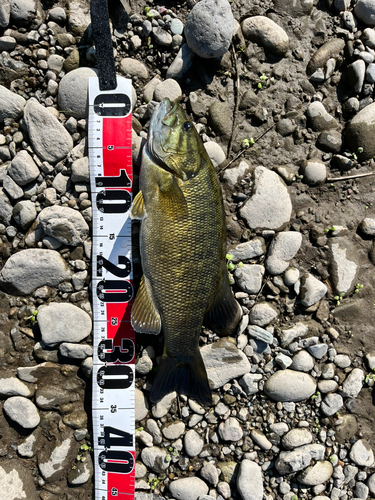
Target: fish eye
point(186, 126)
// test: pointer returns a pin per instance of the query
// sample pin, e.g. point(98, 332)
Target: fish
point(185, 282)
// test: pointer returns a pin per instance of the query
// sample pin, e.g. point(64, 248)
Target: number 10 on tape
point(113, 400)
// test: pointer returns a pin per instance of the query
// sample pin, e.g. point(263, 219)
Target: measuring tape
point(113, 395)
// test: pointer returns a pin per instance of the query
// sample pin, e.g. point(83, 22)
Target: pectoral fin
point(173, 199)
point(145, 317)
point(138, 210)
point(225, 312)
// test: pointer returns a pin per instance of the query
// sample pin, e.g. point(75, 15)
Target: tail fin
point(186, 375)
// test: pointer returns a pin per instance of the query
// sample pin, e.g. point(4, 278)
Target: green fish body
point(183, 245)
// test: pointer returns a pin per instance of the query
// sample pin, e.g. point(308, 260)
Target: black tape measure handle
point(103, 44)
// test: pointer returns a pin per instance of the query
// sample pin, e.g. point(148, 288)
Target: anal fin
point(138, 209)
point(225, 312)
point(144, 316)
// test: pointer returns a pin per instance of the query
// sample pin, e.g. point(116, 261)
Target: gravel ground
point(293, 413)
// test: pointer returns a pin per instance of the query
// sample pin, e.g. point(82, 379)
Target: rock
point(249, 383)
point(233, 175)
point(12, 189)
point(209, 473)
point(64, 224)
point(22, 411)
point(220, 118)
point(143, 365)
point(57, 14)
point(298, 330)
point(51, 141)
point(318, 350)
point(331, 404)
point(154, 459)
point(82, 473)
point(296, 9)
point(343, 266)
point(23, 169)
point(364, 10)
point(35, 373)
point(168, 88)
point(260, 439)
point(302, 362)
point(50, 397)
point(347, 429)
point(72, 96)
point(325, 386)
point(17, 482)
point(30, 269)
point(75, 351)
point(11, 386)
point(4, 15)
point(209, 28)
point(362, 454)
point(316, 474)
point(298, 459)
point(353, 384)
point(5, 208)
point(230, 430)
point(260, 334)
point(248, 250)
point(193, 443)
point(371, 483)
point(162, 37)
point(80, 170)
point(283, 360)
point(250, 481)
point(23, 11)
point(282, 249)
point(295, 438)
point(141, 405)
point(133, 67)
point(330, 141)
point(174, 430)
point(219, 373)
point(78, 17)
point(267, 33)
point(53, 459)
point(311, 290)
point(289, 385)
point(63, 322)
point(262, 314)
point(29, 446)
point(249, 277)
point(356, 75)
point(181, 64)
point(360, 132)
point(270, 206)
point(24, 213)
point(367, 226)
point(215, 152)
point(319, 119)
point(314, 172)
point(163, 406)
point(188, 488)
point(11, 104)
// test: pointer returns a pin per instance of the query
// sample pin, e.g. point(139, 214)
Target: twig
point(248, 147)
point(333, 179)
point(237, 98)
point(178, 406)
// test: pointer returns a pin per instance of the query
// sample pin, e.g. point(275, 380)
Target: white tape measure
point(113, 401)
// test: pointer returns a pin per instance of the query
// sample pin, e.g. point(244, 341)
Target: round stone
point(289, 385)
point(188, 488)
point(295, 438)
point(193, 443)
point(168, 88)
point(22, 411)
point(263, 314)
point(267, 33)
point(362, 454)
point(72, 96)
point(250, 480)
point(316, 474)
point(314, 172)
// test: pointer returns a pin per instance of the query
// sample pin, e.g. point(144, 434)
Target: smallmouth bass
point(185, 280)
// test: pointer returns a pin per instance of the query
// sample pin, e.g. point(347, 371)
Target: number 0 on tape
point(113, 401)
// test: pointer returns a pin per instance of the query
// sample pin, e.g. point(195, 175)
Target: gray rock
point(144, 365)
point(181, 64)
point(63, 322)
point(215, 152)
point(141, 405)
point(168, 88)
point(270, 206)
point(326, 386)
point(28, 447)
point(353, 383)
point(11, 386)
point(289, 385)
point(161, 408)
point(75, 351)
point(316, 474)
point(248, 250)
point(17, 481)
point(24, 213)
point(154, 430)
point(220, 118)
point(177, 27)
point(249, 383)
point(12, 188)
point(319, 119)
point(5, 208)
point(79, 17)
point(51, 141)
point(298, 459)
point(282, 249)
point(64, 224)
point(57, 15)
point(61, 183)
point(371, 483)
point(22, 411)
point(296, 9)
point(260, 439)
point(80, 170)
point(331, 404)
point(174, 430)
point(302, 362)
point(331, 141)
point(283, 360)
point(230, 430)
point(72, 96)
point(249, 277)
point(188, 488)
point(370, 360)
point(209, 473)
point(318, 350)
point(267, 33)
point(256, 332)
point(311, 290)
point(50, 397)
point(193, 443)
point(154, 458)
point(55, 63)
point(133, 67)
point(262, 314)
point(23, 169)
point(361, 490)
point(362, 454)
point(11, 104)
point(280, 428)
point(367, 226)
point(356, 75)
point(314, 172)
point(30, 269)
point(295, 438)
point(54, 458)
point(361, 133)
point(233, 175)
point(343, 265)
point(219, 373)
point(4, 14)
point(162, 37)
point(82, 474)
point(250, 480)
point(35, 373)
point(209, 28)
point(86, 367)
point(23, 11)
point(364, 10)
